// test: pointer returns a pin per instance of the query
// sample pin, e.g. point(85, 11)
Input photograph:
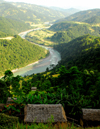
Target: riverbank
point(52, 57)
point(15, 70)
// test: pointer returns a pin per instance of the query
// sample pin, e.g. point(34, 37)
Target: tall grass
point(49, 126)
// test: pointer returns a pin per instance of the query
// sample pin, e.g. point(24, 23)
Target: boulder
point(44, 113)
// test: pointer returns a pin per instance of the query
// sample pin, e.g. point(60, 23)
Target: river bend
point(41, 65)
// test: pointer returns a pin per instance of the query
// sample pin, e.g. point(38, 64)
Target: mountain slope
point(29, 12)
point(83, 52)
point(9, 26)
point(83, 15)
point(18, 52)
point(66, 31)
point(93, 20)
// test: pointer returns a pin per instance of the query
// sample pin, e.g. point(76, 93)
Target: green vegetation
point(18, 53)
point(41, 37)
point(67, 31)
point(82, 52)
point(74, 82)
point(93, 20)
point(7, 122)
point(29, 13)
point(72, 88)
point(50, 126)
point(83, 15)
point(2, 34)
point(11, 27)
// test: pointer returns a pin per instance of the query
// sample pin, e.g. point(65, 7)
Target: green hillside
point(66, 31)
point(93, 20)
point(83, 52)
point(9, 26)
point(46, 14)
point(29, 13)
point(2, 34)
point(17, 53)
point(83, 15)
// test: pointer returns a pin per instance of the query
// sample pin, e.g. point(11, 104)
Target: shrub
point(7, 122)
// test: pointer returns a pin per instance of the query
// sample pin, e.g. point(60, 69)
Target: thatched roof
point(91, 114)
point(44, 112)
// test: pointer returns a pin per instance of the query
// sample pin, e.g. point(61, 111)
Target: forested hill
point(18, 52)
point(66, 31)
point(2, 34)
point(27, 12)
point(83, 52)
point(93, 20)
point(45, 13)
point(9, 26)
point(83, 15)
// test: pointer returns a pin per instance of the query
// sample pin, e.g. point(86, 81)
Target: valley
point(39, 66)
point(55, 50)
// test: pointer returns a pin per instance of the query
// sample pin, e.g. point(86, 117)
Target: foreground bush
point(7, 122)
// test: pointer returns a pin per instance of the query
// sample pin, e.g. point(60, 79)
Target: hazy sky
point(80, 4)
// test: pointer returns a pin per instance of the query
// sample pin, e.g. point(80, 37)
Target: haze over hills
point(69, 11)
point(45, 11)
point(29, 12)
point(82, 15)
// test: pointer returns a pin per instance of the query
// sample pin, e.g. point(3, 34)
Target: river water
point(41, 65)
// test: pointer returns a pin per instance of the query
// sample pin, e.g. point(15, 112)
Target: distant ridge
point(69, 11)
point(83, 15)
point(30, 12)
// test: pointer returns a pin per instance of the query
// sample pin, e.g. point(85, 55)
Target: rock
point(44, 113)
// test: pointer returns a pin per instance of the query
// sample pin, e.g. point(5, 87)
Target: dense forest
point(66, 31)
point(18, 52)
point(83, 52)
point(2, 34)
point(12, 27)
point(93, 20)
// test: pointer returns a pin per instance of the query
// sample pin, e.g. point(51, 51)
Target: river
point(41, 65)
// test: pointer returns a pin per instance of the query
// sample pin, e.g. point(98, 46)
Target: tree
point(4, 93)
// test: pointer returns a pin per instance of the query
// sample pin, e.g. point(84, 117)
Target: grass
point(42, 37)
point(50, 126)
